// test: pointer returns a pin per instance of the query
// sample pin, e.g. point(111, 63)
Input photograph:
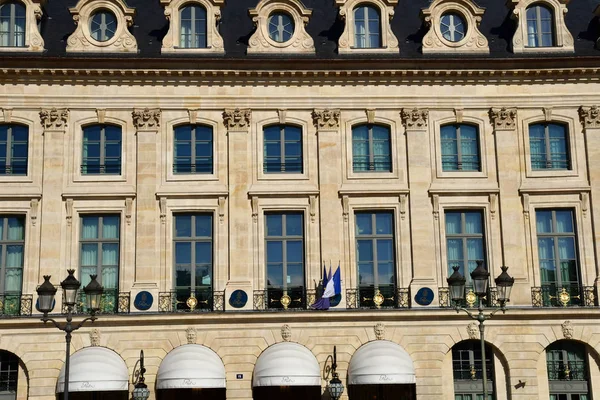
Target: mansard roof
point(325, 26)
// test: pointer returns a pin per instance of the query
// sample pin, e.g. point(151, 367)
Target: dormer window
point(193, 27)
point(541, 27)
point(453, 27)
point(19, 30)
point(103, 26)
point(367, 26)
point(281, 27)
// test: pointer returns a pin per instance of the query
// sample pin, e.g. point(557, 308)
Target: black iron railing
point(188, 300)
point(101, 169)
point(552, 295)
point(112, 302)
point(15, 304)
point(290, 298)
point(372, 166)
point(567, 371)
point(198, 168)
point(17, 169)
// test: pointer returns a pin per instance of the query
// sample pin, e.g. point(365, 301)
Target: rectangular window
point(193, 250)
point(100, 254)
point(284, 250)
point(14, 141)
point(12, 252)
point(193, 150)
point(101, 150)
point(375, 257)
point(283, 149)
point(371, 149)
point(557, 250)
point(549, 146)
point(540, 26)
point(460, 148)
point(465, 241)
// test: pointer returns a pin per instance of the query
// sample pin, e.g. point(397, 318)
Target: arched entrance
point(191, 372)
point(286, 370)
point(13, 382)
point(96, 373)
point(381, 370)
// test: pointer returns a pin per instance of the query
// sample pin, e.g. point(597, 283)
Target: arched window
point(12, 24)
point(367, 27)
point(282, 149)
point(460, 148)
point(193, 149)
point(14, 141)
point(103, 25)
point(9, 371)
point(193, 27)
point(101, 150)
point(371, 148)
point(281, 27)
point(467, 367)
point(568, 375)
point(549, 146)
point(540, 26)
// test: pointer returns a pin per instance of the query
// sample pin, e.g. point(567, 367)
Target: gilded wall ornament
point(146, 119)
point(415, 119)
point(567, 329)
point(326, 119)
point(54, 118)
point(95, 337)
point(191, 335)
point(379, 329)
point(286, 333)
point(590, 117)
point(473, 331)
point(237, 119)
point(503, 119)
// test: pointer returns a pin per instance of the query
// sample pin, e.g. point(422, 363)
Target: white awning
point(191, 366)
point(286, 364)
point(381, 362)
point(95, 369)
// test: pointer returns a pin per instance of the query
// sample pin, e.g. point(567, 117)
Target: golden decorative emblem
point(473, 372)
point(471, 298)
point(285, 301)
point(378, 299)
point(192, 302)
point(564, 297)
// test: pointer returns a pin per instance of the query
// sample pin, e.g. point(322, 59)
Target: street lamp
point(140, 391)
point(46, 292)
point(480, 278)
point(336, 388)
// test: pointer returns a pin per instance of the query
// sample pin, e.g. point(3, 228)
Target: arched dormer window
point(540, 26)
point(193, 26)
point(568, 372)
point(367, 27)
point(12, 24)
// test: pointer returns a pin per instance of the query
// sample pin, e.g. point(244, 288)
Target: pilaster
point(54, 123)
point(147, 266)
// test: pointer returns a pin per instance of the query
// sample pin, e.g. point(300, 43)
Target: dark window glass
point(9, 375)
point(282, 149)
point(540, 26)
point(549, 147)
point(193, 149)
point(460, 148)
point(367, 27)
point(103, 25)
point(12, 24)
point(467, 366)
point(281, 27)
point(465, 241)
point(193, 27)
point(14, 146)
point(568, 372)
point(453, 27)
point(101, 150)
point(371, 148)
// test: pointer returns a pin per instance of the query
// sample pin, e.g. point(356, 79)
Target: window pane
point(294, 252)
point(110, 227)
point(274, 251)
point(203, 276)
point(203, 253)
point(274, 225)
point(89, 254)
point(110, 254)
point(384, 223)
point(183, 253)
point(543, 221)
point(16, 228)
point(89, 229)
point(14, 256)
point(453, 223)
point(364, 224)
point(473, 222)
point(275, 275)
point(364, 250)
point(204, 225)
point(183, 276)
point(183, 226)
point(294, 225)
point(564, 221)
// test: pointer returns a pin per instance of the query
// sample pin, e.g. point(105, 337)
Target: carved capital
point(54, 119)
point(415, 119)
point(147, 119)
point(503, 119)
point(326, 119)
point(237, 119)
point(590, 117)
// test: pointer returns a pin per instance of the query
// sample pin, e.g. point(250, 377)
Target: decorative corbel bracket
point(254, 202)
point(128, 209)
point(162, 203)
point(7, 114)
point(493, 204)
point(34, 205)
point(313, 207)
point(526, 206)
point(345, 207)
point(221, 209)
point(69, 208)
point(436, 206)
point(403, 203)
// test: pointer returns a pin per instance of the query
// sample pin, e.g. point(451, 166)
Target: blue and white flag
point(331, 286)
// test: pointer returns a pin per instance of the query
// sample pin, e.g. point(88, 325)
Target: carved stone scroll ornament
point(415, 119)
point(237, 119)
point(503, 119)
point(147, 119)
point(326, 119)
point(567, 329)
point(379, 330)
point(590, 117)
point(54, 118)
point(286, 333)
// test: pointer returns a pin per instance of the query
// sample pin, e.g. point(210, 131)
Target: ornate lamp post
point(336, 388)
point(93, 295)
point(480, 278)
point(140, 392)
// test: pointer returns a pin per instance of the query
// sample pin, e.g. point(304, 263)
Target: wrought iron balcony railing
point(470, 298)
point(101, 169)
point(280, 299)
point(112, 302)
point(15, 304)
point(388, 296)
point(198, 168)
point(569, 371)
point(188, 300)
point(552, 295)
point(15, 169)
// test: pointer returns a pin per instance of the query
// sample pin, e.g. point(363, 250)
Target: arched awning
point(95, 369)
point(191, 366)
point(381, 362)
point(286, 364)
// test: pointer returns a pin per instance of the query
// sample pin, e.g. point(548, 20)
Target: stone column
point(54, 121)
point(590, 119)
point(242, 268)
point(327, 123)
point(147, 232)
point(421, 209)
point(512, 217)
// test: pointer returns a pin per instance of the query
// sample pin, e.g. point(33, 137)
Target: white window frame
point(33, 38)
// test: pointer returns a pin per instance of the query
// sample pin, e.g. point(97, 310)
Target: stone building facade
point(180, 173)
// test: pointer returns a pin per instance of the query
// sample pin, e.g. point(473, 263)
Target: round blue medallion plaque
point(424, 296)
point(143, 301)
point(238, 299)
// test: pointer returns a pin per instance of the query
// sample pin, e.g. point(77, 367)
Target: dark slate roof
point(236, 27)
